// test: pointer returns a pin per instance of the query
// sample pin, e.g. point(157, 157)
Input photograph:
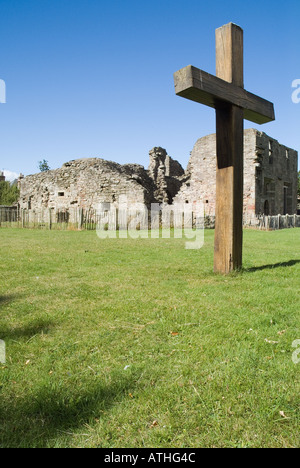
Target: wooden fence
point(272, 223)
point(8, 215)
point(80, 219)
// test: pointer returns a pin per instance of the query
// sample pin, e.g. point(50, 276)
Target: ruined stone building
point(92, 183)
point(270, 180)
point(270, 176)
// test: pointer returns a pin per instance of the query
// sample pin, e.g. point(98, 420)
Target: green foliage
point(9, 194)
point(44, 166)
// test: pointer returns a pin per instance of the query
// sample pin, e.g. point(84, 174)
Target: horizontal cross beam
point(199, 86)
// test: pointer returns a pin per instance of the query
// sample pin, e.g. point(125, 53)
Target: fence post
point(80, 219)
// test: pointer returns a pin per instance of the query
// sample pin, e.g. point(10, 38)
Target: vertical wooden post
point(230, 158)
point(50, 219)
point(227, 95)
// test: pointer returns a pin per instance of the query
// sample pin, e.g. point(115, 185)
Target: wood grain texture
point(230, 136)
point(229, 190)
point(225, 93)
point(199, 86)
point(230, 54)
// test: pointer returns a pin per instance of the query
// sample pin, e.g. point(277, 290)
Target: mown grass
point(136, 343)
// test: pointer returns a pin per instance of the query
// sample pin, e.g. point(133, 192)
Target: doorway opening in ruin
point(266, 208)
point(285, 200)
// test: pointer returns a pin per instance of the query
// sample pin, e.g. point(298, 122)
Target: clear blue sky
point(94, 78)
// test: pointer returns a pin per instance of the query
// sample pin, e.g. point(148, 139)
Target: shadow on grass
point(271, 267)
point(35, 328)
point(7, 299)
point(29, 331)
point(50, 417)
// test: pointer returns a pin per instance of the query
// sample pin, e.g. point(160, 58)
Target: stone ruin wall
point(166, 173)
point(84, 183)
point(264, 160)
point(270, 171)
point(91, 184)
point(201, 174)
point(276, 177)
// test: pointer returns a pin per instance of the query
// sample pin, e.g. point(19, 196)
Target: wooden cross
point(225, 93)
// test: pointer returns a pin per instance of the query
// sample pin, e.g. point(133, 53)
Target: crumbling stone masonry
point(91, 184)
point(270, 176)
point(270, 181)
point(166, 173)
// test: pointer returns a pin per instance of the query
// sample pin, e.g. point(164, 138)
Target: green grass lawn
point(136, 343)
